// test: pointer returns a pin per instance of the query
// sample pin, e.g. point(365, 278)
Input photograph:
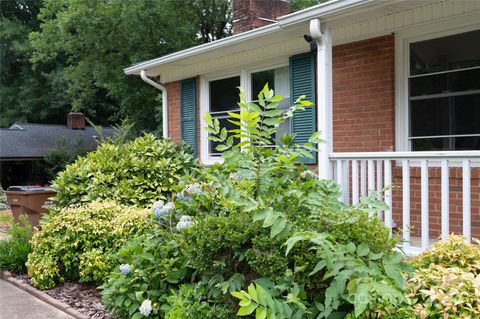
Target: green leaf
point(277, 227)
point(362, 299)
point(261, 313)
point(245, 311)
point(363, 250)
point(137, 315)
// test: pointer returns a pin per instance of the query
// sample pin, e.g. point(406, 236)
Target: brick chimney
point(76, 121)
point(252, 14)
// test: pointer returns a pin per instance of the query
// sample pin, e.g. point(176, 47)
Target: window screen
point(444, 93)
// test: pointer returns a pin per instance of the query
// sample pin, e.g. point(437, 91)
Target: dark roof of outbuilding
point(26, 140)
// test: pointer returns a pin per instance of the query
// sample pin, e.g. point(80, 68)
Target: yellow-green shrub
point(76, 243)
point(136, 173)
point(446, 283)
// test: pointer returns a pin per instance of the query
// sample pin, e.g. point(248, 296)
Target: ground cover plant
point(16, 247)
point(76, 242)
point(134, 173)
point(258, 235)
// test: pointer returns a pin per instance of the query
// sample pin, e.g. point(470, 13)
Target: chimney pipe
point(76, 121)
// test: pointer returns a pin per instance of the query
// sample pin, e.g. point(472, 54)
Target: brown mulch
point(82, 297)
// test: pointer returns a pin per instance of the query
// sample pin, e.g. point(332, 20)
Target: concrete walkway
point(17, 304)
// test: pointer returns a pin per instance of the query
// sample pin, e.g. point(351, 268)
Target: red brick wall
point(363, 95)
point(174, 126)
point(246, 13)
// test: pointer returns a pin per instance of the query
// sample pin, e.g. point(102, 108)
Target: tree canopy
point(63, 55)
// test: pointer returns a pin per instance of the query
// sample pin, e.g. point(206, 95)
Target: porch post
point(321, 33)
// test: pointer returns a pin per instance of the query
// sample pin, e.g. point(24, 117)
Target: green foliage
point(157, 267)
point(446, 283)
point(27, 94)
point(95, 40)
point(76, 243)
point(15, 249)
point(59, 157)
point(134, 173)
point(192, 302)
point(261, 222)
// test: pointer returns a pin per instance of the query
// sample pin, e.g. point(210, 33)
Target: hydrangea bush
point(259, 235)
point(76, 243)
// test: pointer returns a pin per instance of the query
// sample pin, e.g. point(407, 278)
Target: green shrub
point(153, 266)
point(191, 302)
point(261, 222)
point(15, 249)
point(76, 243)
point(135, 173)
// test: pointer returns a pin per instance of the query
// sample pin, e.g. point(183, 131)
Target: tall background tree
point(62, 55)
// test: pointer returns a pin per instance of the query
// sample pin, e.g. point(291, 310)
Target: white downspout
point(321, 34)
point(160, 87)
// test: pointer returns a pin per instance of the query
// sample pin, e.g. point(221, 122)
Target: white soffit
point(349, 20)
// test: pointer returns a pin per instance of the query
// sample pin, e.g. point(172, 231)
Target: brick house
point(396, 88)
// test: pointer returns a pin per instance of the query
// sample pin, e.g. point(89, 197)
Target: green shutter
point(302, 82)
point(188, 112)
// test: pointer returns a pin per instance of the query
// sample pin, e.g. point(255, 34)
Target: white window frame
point(245, 82)
point(403, 39)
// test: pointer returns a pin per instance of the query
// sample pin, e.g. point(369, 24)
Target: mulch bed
point(82, 297)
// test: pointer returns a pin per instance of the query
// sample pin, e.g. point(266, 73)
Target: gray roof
point(26, 140)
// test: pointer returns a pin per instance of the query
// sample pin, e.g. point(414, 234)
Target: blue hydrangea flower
point(193, 189)
point(182, 197)
point(125, 269)
point(161, 210)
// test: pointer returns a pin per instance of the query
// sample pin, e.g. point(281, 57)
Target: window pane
point(224, 94)
point(259, 79)
point(447, 144)
point(459, 81)
point(467, 114)
point(447, 53)
point(429, 117)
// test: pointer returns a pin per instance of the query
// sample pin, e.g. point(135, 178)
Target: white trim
point(403, 39)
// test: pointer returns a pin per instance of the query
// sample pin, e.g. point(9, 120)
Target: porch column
point(321, 33)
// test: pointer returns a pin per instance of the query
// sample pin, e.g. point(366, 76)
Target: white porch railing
point(360, 173)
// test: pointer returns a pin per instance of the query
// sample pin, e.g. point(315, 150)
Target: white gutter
point(160, 87)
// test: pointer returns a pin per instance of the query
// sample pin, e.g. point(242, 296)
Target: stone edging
point(5, 275)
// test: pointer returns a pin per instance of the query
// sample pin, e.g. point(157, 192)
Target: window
point(444, 93)
point(277, 80)
point(223, 97)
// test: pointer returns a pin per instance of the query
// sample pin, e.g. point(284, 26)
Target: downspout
point(160, 87)
point(321, 34)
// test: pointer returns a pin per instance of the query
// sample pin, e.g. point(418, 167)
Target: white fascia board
point(325, 9)
point(249, 35)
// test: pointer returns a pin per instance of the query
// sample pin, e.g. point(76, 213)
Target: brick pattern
point(363, 95)
point(247, 14)
point(174, 125)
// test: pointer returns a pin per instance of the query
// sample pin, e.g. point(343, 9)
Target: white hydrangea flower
point(146, 307)
point(193, 189)
point(306, 173)
point(185, 222)
point(233, 176)
point(125, 269)
point(169, 205)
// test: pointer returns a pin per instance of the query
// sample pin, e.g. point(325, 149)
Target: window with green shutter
point(302, 82)
point(188, 113)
